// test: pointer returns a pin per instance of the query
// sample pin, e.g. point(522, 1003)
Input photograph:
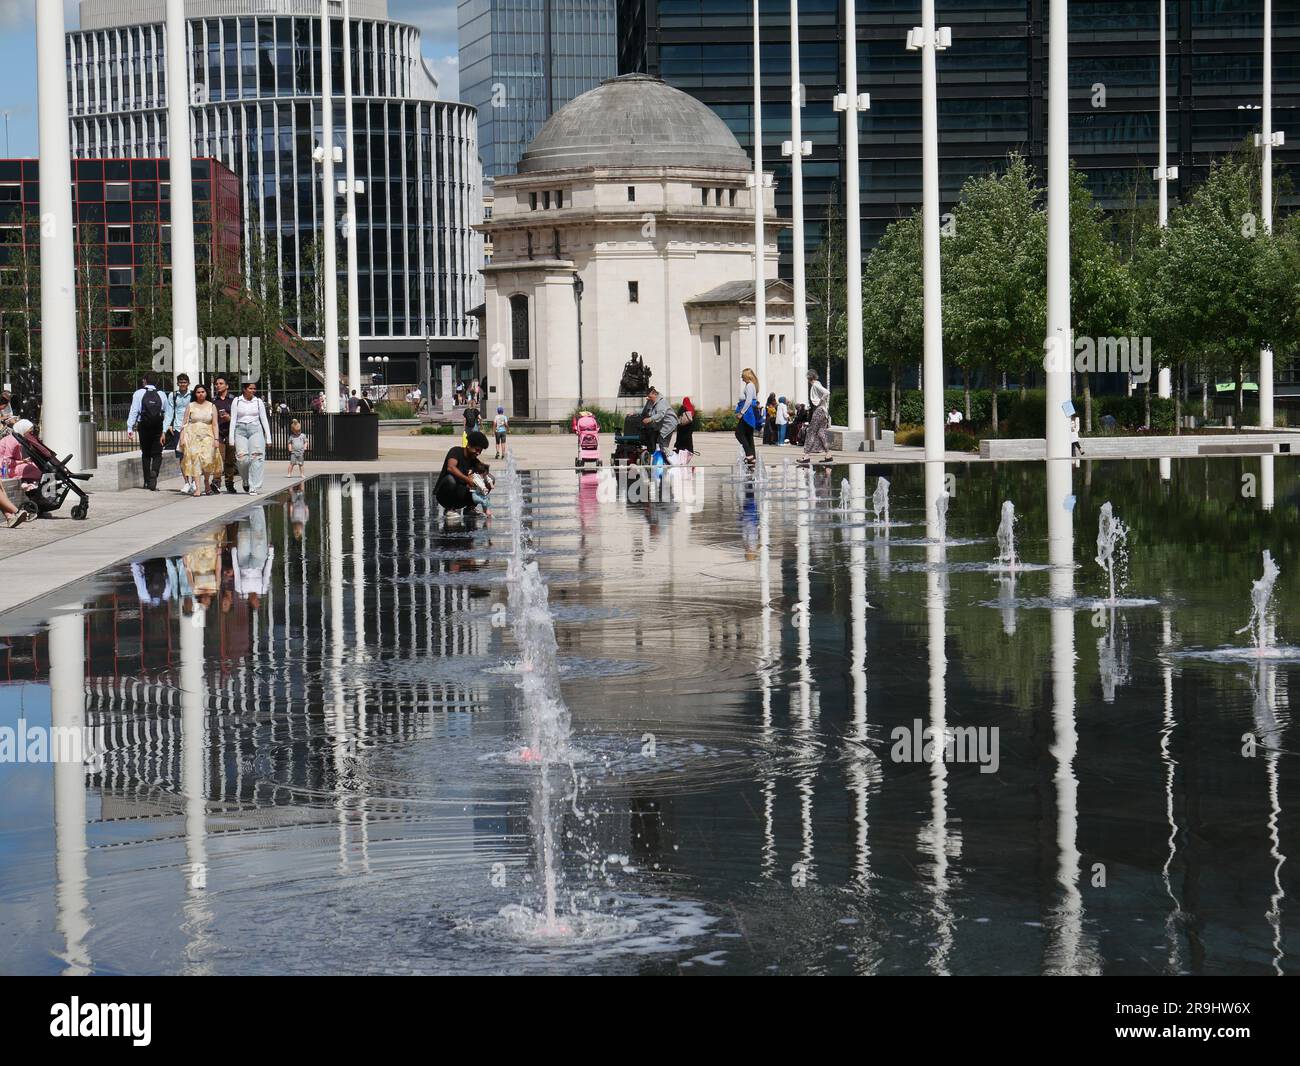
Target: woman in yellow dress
point(200, 455)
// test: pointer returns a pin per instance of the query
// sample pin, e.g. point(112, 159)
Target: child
point(297, 447)
point(500, 424)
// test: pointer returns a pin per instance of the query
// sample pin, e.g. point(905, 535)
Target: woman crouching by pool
point(464, 482)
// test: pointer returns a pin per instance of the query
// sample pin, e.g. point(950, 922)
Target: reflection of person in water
point(201, 564)
point(749, 523)
point(299, 513)
point(464, 481)
point(253, 558)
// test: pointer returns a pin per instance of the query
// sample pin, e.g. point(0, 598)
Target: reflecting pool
point(806, 735)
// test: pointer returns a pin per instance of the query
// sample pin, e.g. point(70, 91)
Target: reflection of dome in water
point(634, 120)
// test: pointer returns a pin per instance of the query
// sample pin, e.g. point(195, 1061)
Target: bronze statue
point(636, 377)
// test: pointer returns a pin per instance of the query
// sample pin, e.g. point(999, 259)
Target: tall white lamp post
point(1267, 140)
point(351, 189)
point(928, 41)
point(1059, 346)
point(796, 148)
point(326, 155)
point(760, 240)
point(851, 102)
point(58, 274)
point(1164, 173)
point(186, 344)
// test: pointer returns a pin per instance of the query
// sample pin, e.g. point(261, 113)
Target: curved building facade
point(256, 105)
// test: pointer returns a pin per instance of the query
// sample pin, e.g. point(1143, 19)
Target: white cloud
point(447, 70)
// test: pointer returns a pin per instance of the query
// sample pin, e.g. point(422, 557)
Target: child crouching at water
point(297, 447)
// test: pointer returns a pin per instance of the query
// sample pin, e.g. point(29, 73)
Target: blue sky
point(435, 18)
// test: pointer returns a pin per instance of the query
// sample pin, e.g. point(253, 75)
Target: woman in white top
point(819, 398)
point(251, 430)
point(747, 414)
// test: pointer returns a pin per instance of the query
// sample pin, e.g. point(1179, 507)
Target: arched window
point(519, 326)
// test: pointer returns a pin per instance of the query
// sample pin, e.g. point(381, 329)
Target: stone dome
point(634, 120)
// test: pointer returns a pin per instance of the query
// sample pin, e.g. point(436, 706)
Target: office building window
point(631, 194)
point(633, 292)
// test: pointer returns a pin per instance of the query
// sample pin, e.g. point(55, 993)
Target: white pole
point(760, 241)
point(349, 156)
point(853, 375)
point(1164, 381)
point(186, 345)
point(1059, 346)
point(932, 382)
point(58, 274)
point(1266, 205)
point(329, 266)
point(796, 192)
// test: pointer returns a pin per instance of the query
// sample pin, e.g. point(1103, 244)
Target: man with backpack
point(149, 415)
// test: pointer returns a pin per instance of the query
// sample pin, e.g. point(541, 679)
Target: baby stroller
point(631, 443)
point(56, 480)
point(588, 430)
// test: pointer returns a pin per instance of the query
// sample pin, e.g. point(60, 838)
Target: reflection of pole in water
point(1170, 764)
point(357, 515)
point(1269, 728)
point(194, 788)
point(1067, 952)
point(765, 672)
point(1266, 487)
point(336, 700)
point(806, 717)
point(936, 837)
point(859, 773)
point(68, 712)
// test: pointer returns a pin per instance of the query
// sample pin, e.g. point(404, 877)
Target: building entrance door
point(519, 393)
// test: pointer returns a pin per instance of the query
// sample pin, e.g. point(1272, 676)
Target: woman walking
point(252, 429)
point(686, 430)
point(200, 453)
point(815, 440)
point(747, 414)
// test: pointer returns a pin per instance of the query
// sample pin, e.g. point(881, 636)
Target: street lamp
point(1268, 140)
point(577, 296)
point(1059, 346)
point(760, 240)
point(327, 155)
point(851, 102)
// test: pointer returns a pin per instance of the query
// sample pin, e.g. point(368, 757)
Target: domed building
point(627, 234)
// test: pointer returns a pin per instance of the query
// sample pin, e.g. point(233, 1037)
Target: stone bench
point(125, 470)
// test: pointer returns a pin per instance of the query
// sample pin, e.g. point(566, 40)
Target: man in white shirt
point(149, 415)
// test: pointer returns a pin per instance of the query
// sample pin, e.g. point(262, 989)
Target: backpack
point(151, 408)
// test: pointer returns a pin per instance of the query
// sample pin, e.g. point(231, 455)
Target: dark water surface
point(307, 726)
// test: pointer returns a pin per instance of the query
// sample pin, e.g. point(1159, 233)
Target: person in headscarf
point(686, 429)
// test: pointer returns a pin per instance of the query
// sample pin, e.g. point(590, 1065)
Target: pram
point(56, 480)
point(632, 443)
point(588, 430)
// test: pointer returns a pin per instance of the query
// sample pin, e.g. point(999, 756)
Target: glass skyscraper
point(521, 60)
point(992, 88)
point(255, 88)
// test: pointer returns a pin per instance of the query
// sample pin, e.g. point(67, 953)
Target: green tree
point(995, 290)
point(892, 304)
point(1101, 286)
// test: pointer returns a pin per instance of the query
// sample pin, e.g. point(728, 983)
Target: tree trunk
point(1205, 400)
point(893, 396)
point(1146, 405)
point(1178, 412)
point(993, 399)
point(965, 375)
point(1087, 401)
point(1241, 393)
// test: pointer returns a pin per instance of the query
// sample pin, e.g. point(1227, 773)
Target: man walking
point(223, 400)
point(177, 402)
point(661, 419)
point(149, 415)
